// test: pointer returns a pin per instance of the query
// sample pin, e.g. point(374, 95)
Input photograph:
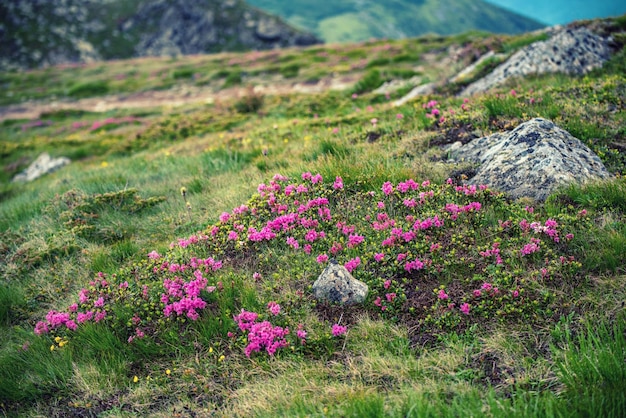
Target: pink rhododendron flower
point(322, 258)
point(274, 308)
point(352, 264)
point(465, 308)
point(442, 294)
point(338, 330)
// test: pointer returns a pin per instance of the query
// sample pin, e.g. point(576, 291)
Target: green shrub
point(250, 103)
point(290, 70)
point(182, 73)
point(370, 81)
point(88, 89)
point(232, 79)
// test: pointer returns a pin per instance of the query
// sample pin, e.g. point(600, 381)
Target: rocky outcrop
point(570, 51)
point(424, 89)
point(532, 161)
point(337, 285)
point(190, 27)
point(44, 164)
point(35, 33)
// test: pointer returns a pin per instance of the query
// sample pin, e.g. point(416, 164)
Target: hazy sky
point(563, 11)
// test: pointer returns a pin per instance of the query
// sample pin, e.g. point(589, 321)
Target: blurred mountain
point(37, 33)
point(563, 11)
point(358, 20)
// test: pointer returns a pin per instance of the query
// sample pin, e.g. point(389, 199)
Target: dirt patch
point(175, 97)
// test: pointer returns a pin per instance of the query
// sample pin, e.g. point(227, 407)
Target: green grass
point(122, 198)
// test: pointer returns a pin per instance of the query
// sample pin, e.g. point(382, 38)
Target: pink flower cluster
point(263, 334)
point(455, 210)
point(338, 330)
point(185, 242)
point(531, 247)
point(352, 264)
point(494, 251)
point(549, 228)
point(183, 298)
point(92, 300)
point(113, 121)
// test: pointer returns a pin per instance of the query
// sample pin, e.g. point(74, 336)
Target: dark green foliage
point(378, 62)
point(250, 103)
point(64, 114)
point(232, 79)
point(86, 215)
point(183, 73)
point(370, 81)
point(290, 70)
point(11, 304)
point(90, 89)
point(593, 369)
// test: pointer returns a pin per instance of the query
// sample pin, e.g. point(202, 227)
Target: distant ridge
point(358, 20)
point(35, 33)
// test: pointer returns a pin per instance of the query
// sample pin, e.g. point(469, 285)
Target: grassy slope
point(531, 356)
point(349, 21)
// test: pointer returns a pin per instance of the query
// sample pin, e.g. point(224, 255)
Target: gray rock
point(417, 91)
point(532, 161)
point(43, 165)
point(468, 71)
point(570, 51)
point(337, 285)
point(395, 85)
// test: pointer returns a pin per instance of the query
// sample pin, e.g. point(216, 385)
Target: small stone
point(337, 285)
point(43, 165)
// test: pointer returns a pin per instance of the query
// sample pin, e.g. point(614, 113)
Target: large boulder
point(532, 160)
point(337, 285)
point(43, 165)
point(570, 51)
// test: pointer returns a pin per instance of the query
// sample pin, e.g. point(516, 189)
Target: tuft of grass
point(370, 81)
point(88, 89)
point(592, 368)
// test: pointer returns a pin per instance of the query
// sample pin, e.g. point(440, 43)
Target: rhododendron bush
point(437, 255)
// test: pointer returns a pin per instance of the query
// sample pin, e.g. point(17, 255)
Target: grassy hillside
point(349, 20)
point(167, 270)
